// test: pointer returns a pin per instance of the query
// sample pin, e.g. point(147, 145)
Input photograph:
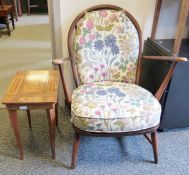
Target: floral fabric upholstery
point(107, 47)
point(114, 107)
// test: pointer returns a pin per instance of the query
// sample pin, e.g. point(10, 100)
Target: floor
point(29, 44)
point(97, 156)
point(27, 48)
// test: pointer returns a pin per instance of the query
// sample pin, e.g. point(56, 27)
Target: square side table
point(33, 90)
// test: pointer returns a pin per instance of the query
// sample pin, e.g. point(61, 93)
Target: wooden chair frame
point(72, 58)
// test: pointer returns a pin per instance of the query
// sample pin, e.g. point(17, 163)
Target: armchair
point(105, 47)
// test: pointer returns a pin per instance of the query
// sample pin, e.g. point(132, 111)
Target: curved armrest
point(60, 62)
point(166, 58)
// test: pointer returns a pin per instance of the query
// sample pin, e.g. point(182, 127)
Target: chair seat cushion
point(114, 107)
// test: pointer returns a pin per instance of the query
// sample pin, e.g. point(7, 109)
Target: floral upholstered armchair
point(105, 46)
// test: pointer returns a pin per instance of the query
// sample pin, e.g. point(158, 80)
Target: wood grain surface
point(38, 86)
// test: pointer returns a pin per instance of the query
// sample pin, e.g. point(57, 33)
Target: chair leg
point(155, 145)
point(29, 118)
point(75, 149)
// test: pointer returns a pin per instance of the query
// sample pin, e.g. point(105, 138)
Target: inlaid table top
point(31, 87)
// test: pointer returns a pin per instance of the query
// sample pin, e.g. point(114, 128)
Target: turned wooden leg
point(56, 111)
point(51, 121)
point(75, 149)
point(155, 146)
point(29, 118)
point(14, 123)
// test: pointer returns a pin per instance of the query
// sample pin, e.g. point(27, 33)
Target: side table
point(33, 90)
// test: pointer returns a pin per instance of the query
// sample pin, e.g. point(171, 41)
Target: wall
point(168, 20)
point(142, 10)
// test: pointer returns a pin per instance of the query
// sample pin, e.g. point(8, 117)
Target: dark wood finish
point(29, 118)
point(75, 149)
point(184, 9)
point(33, 90)
point(167, 78)
point(175, 98)
point(60, 62)
point(166, 58)
point(117, 134)
point(165, 82)
point(12, 2)
point(52, 120)
point(14, 124)
point(19, 7)
point(79, 133)
point(30, 5)
point(15, 9)
point(155, 146)
point(56, 113)
point(167, 44)
point(148, 138)
point(72, 55)
point(5, 11)
point(156, 18)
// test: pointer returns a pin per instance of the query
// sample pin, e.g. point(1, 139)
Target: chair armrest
point(166, 58)
point(59, 62)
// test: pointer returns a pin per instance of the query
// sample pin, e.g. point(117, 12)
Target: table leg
point(7, 24)
point(56, 112)
point(29, 118)
point(12, 19)
point(52, 120)
point(14, 123)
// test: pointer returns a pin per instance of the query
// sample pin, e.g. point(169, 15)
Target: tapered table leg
point(52, 121)
point(56, 112)
point(12, 19)
point(14, 123)
point(29, 118)
point(7, 24)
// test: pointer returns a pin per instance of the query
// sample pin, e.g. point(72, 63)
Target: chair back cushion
point(106, 44)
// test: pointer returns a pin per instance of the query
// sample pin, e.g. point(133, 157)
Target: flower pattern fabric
point(107, 47)
point(114, 107)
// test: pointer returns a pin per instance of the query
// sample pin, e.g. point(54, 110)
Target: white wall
point(168, 20)
point(142, 10)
